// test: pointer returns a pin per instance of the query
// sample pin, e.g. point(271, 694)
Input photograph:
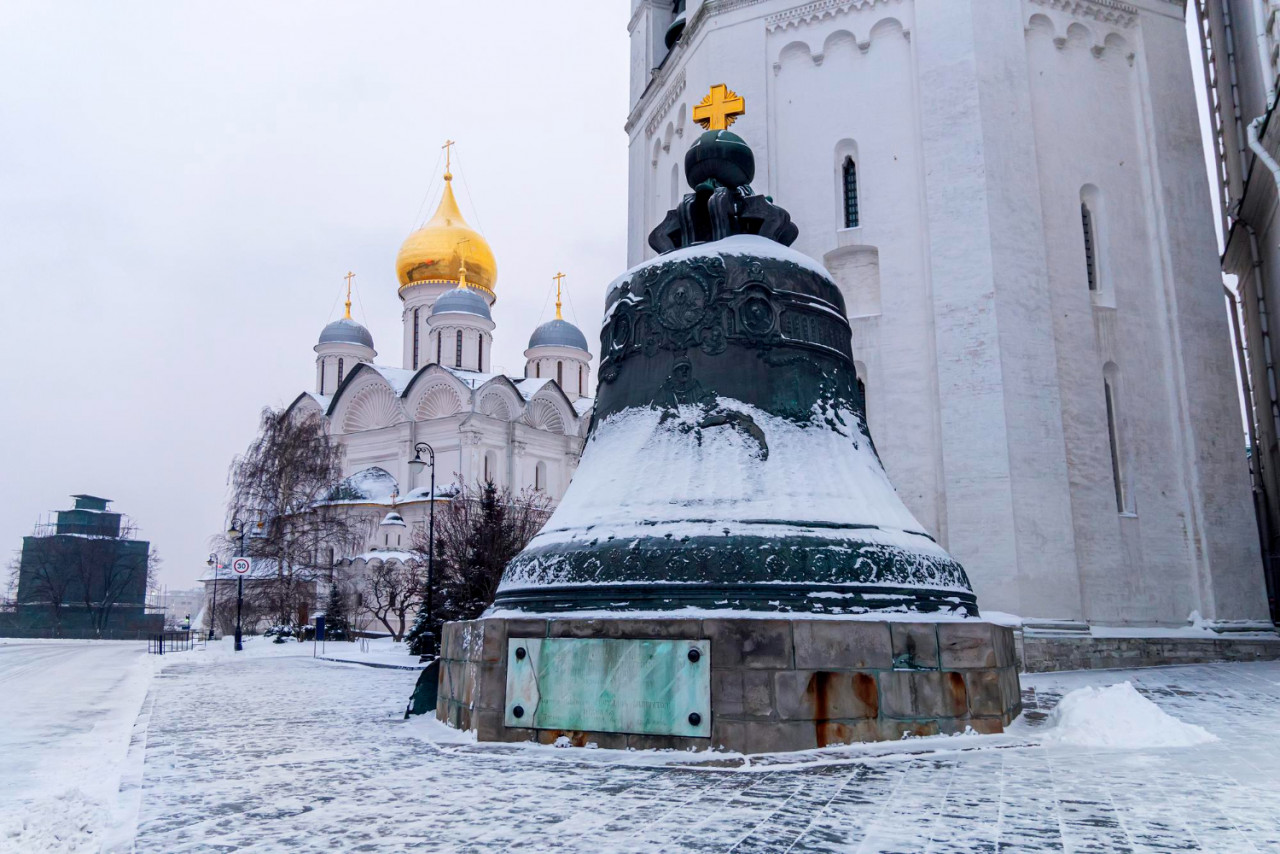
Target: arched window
point(537, 370)
point(582, 381)
point(322, 361)
point(457, 358)
point(1113, 437)
point(480, 352)
point(849, 173)
point(339, 372)
point(439, 344)
point(560, 374)
point(540, 475)
point(1090, 246)
point(490, 467)
point(416, 330)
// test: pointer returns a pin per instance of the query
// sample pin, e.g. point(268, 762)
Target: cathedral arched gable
point(354, 377)
point(542, 414)
point(435, 392)
point(367, 403)
point(437, 400)
point(499, 398)
point(304, 404)
point(552, 411)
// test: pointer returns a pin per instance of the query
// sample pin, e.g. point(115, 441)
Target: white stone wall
point(421, 296)
point(335, 358)
point(976, 126)
point(569, 366)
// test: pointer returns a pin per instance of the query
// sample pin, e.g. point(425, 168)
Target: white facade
point(978, 129)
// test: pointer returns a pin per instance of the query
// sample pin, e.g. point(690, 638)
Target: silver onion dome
point(558, 333)
point(462, 300)
point(346, 331)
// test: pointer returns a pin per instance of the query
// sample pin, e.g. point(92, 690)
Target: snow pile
point(1118, 716)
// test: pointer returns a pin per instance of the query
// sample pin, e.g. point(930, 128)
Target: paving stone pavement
point(283, 753)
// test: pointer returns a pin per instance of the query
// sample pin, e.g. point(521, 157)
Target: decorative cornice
point(816, 11)
point(665, 105)
point(1106, 11)
point(672, 60)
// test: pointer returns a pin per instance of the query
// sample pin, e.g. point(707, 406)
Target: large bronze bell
point(728, 464)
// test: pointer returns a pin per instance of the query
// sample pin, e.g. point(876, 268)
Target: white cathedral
point(1012, 197)
point(517, 431)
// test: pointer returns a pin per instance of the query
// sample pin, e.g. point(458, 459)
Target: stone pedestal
point(776, 684)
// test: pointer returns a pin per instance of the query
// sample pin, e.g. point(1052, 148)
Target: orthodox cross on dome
point(719, 108)
point(448, 150)
point(462, 267)
point(350, 275)
point(558, 277)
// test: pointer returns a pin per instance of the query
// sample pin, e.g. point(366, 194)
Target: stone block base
point(1042, 652)
point(776, 684)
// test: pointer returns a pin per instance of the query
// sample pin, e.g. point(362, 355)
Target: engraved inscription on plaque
point(642, 686)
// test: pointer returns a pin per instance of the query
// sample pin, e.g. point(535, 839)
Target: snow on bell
point(729, 465)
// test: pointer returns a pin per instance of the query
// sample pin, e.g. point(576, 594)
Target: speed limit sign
point(240, 565)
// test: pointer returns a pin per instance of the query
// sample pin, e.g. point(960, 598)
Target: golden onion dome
point(438, 251)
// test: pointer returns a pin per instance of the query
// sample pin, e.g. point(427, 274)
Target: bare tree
point(282, 488)
point(391, 591)
point(481, 529)
point(105, 575)
point(43, 580)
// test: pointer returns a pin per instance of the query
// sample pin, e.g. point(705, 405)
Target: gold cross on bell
point(719, 108)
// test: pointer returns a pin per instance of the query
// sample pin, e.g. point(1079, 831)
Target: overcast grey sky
point(184, 184)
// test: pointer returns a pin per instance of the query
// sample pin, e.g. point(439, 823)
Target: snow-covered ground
point(68, 710)
point(276, 751)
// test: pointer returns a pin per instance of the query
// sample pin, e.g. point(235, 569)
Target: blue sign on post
point(320, 627)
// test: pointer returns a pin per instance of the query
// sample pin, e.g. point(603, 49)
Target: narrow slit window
point(479, 352)
point(339, 372)
point(457, 356)
point(322, 361)
point(416, 330)
point(1090, 246)
point(1113, 435)
point(439, 345)
point(850, 174)
point(537, 370)
point(560, 374)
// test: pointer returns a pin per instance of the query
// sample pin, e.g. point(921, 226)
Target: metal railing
point(162, 642)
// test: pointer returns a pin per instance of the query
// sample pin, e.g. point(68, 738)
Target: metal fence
point(162, 642)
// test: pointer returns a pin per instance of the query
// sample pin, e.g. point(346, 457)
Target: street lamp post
point(416, 465)
point(237, 532)
point(213, 611)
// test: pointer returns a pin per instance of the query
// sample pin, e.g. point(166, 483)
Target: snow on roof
point(371, 484)
point(738, 244)
point(397, 378)
point(389, 554)
point(583, 405)
point(472, 379)
point(529, 386)
point(323, 399)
